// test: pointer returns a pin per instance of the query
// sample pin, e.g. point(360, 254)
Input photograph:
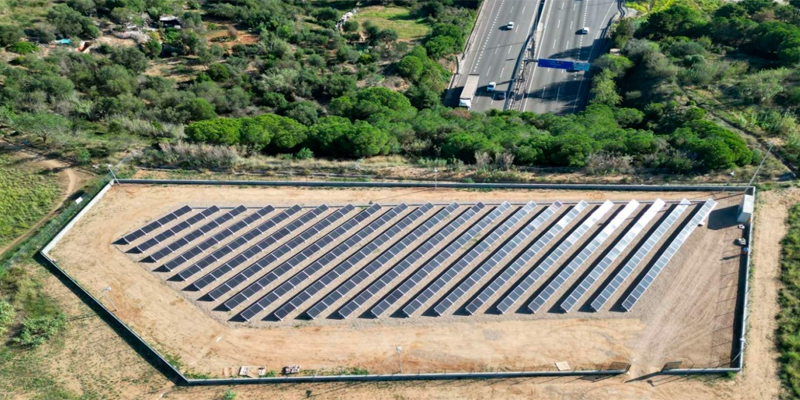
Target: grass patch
point(789, 299)
point(398, 19)
point(27, 195)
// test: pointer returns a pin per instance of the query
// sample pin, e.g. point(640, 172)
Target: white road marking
point(543, 89)
point(495, 50)
point(570, 24)
point(567, 48)
point(559, 24)
point(509, 50)
point(558, 92)
point(554, 43)
point(488, 71)
point(501, 72)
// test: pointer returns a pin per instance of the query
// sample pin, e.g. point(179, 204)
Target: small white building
point(746, 209)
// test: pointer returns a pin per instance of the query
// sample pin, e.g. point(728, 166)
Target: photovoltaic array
point(667, 255)
point(405, 260)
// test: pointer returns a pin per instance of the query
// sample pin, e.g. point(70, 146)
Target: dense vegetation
point(789, 317)
point(306, 87)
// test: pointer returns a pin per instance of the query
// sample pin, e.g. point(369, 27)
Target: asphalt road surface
point(495, 49)
point(559, 91)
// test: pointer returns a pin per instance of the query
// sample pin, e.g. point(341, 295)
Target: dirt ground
point(93, 350)
point(693, 325)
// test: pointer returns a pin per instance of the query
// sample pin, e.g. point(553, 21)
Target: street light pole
point(399, 358)
point(104, 291)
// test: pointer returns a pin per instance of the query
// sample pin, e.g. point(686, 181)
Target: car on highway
point(584, 31)
point(500, 96)
point(510, 26)
point(490, 87)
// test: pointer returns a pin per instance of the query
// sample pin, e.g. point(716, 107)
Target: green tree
point(131, 58)
point(411, 67)
point(198, 109)
point(224, 131)
point(44, 125)
point(254, 134)
point(70, 23)
point(675, 20)
point(10, 34)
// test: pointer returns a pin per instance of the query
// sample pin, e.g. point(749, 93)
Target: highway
point(559, 91)
point(495, 49)
point(494, 52)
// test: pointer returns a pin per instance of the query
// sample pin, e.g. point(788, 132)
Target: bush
point(35, 331)
point(6, 317)
point(23, 48)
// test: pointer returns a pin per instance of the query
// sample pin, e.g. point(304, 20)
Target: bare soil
point(94, 356)
point(692, 324)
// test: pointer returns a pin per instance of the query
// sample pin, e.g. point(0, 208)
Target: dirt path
point(70, 179)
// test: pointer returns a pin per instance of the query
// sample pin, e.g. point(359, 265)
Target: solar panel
point(508, 273)
point(286, 266)
point(188, 238)
point(554, 256)
point(489, 264)
point(370, 268)
point(667, 255)
point(379, 262)
point(239, 241)
point(228, 232)
point(611, 256)
point(578, 261)
point(416, 255)
point(640, 255)
point(262, 245)
point(456, 267)
point(311, 269)
point(129, 238)
point(179, 227)
point(440, 258)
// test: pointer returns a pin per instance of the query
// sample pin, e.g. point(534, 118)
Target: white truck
point(468, 92)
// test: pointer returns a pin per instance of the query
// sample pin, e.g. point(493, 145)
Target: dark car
point(500, 96)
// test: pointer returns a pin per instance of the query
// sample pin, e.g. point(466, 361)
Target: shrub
point(6, 317)
point(23, 48)
point(35, 331)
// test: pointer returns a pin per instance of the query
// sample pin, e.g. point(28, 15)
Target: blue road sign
point(580, 66)
point(560, 64)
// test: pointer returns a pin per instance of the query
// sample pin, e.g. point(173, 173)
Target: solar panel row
point(451, 271)
point(262, 282)
point(612, 255)
point(262, 245)
point(640, 255)
point(488, 265)
point(169, 233)
point(239, 242)
point(508, 301)
point(662, 261)
point(191, 236)
point(356, 303)
point(129, 238)
point(508, 273)
point(584, 255)
point(317, 265)
point(360, 255)
point(228, 232)
point(440, 258)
